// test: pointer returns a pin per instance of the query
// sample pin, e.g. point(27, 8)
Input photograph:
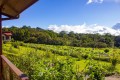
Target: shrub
point(114, 62)
point(101, 45)
point(15, 44)
point(74, 55)
point(21, 44)
point(4, 42)
point(95, 72)
point(85, 56)
point(106, 50)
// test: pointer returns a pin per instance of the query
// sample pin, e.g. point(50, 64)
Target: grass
point(62, 54)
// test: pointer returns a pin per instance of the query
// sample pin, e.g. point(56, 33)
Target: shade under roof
point(12, 8)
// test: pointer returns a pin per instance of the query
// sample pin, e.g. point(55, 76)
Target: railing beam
point(14, 69)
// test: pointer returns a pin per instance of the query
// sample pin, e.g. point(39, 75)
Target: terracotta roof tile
point(7, 33)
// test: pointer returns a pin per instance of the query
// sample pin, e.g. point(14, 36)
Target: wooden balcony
point(10, 71)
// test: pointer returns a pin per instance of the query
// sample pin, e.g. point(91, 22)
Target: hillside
point(41, 36)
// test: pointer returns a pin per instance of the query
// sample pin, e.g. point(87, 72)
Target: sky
point(47, 13)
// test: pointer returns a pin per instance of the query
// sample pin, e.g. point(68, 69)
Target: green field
point(50, 62)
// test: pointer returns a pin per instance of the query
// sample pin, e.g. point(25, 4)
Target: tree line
point(41, 36)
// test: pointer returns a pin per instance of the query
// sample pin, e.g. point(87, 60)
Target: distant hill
point(41, 36)
point(116, 26)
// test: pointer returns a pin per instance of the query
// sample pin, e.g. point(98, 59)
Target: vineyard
point(51, 62)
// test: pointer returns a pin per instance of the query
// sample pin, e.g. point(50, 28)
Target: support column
point(0, 46)
point(0, 34)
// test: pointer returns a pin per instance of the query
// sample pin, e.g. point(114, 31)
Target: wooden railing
point(10, 71)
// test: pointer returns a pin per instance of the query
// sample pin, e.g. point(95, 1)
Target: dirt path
point(112, 77)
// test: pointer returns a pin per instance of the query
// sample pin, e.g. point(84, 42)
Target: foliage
point(96, 72)
point(114, 62)
point(54, 62)
point(106, 50)
point(38, 35)
point(15, 44)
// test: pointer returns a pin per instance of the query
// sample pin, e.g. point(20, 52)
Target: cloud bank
point(101, 1)
point(94, 1)
point(92, 29)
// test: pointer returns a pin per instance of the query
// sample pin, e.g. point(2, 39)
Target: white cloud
point(5, 26)
point(101, 1)
point(94, 1)
point(84, 29)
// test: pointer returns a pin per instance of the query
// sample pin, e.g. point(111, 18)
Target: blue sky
point(69, 12)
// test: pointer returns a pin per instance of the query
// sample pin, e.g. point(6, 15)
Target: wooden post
point(0, 45)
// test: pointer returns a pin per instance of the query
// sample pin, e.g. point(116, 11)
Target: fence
point(10, 71)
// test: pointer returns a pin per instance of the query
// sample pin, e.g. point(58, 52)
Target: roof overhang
point(12, 8)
